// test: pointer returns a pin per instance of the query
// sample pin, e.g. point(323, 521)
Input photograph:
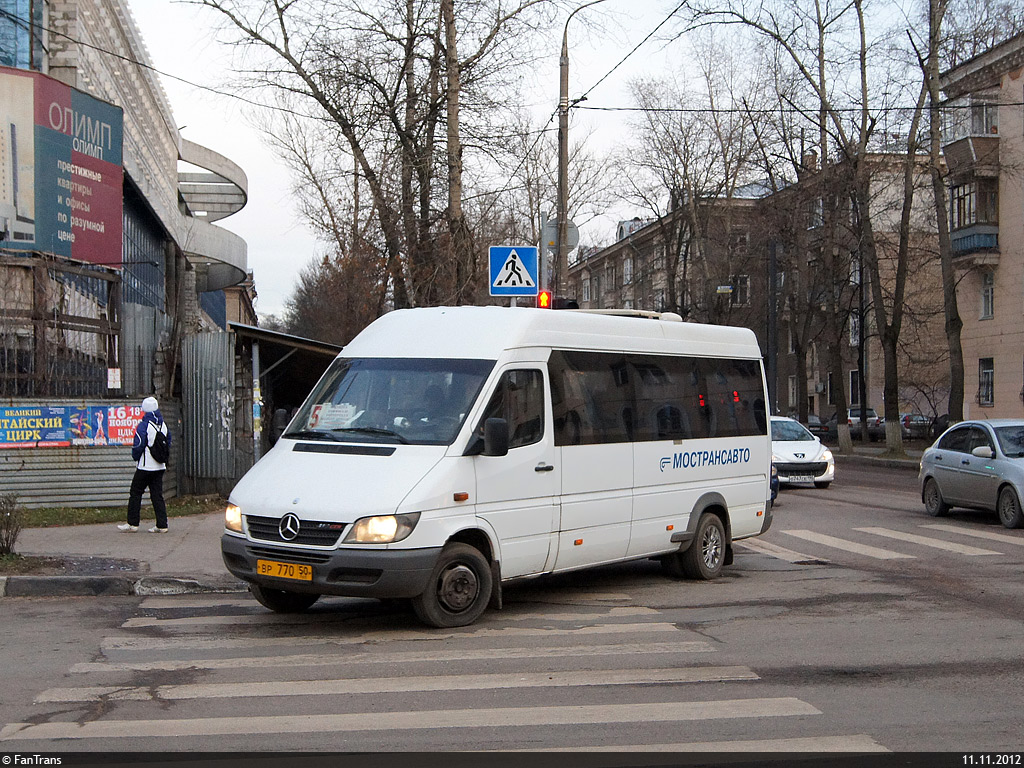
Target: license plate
point(801, 479)
point(284, 570)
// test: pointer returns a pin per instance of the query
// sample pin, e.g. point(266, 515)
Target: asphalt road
point(854, 624)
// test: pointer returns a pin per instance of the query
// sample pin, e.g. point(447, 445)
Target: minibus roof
point(484, 333)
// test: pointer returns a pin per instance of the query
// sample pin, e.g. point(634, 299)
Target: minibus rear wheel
point(705, 556)
point(281, 601)
point(459, 588)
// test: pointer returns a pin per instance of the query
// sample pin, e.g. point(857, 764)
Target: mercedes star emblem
point(289, 527)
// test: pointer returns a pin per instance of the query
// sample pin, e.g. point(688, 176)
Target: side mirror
point(495, 437)
point(983, 452)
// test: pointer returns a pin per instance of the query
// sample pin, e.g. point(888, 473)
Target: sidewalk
point(101, 560)
point(871, 454)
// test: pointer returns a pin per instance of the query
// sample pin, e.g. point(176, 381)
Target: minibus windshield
point(411, 401)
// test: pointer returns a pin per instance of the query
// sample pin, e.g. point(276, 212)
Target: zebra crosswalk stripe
point(376, 657)
point(859, 742)
point(849, 546)
point(504, 717)
point(379, 685)
point(1002, 538)
point(774, 550)
point(927, 541)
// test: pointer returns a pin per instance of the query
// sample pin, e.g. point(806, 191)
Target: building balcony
point(975, 246)
point(973, 155)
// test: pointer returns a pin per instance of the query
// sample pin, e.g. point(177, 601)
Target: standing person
point(149, 472)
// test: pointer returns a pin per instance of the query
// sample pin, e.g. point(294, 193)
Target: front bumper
point(388, 573)
point(818, 472)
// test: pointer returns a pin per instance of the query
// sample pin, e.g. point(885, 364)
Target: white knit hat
point(149, 405)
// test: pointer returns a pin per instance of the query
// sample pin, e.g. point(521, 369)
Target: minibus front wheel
point(459, 588)
point(281, 601)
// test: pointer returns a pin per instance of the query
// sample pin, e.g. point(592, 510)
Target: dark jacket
point(141, 442)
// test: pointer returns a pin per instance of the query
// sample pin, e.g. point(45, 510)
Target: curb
point(912, 465)
point(96, 586)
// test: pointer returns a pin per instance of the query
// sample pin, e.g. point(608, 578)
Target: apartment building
point(983, 142)
point(762, 259)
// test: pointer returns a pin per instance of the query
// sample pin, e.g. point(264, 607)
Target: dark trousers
point(155, 482)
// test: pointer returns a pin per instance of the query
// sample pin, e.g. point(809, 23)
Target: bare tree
point(396, 81)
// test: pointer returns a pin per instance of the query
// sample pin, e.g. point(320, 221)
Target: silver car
point(976, 464)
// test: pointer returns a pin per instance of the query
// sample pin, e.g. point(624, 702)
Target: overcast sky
point(180, 43)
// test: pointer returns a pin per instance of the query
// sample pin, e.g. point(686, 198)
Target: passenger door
point(980, 477)
point(517, 494)
point(593, 413)
point(951, 450)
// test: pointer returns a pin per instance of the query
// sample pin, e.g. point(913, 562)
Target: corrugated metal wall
point(208, 407)
point(142, 328)
point(82, 476)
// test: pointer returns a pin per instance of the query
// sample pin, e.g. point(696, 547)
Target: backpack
point(159, 450)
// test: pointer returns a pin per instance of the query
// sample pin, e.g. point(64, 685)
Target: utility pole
point(558, 284)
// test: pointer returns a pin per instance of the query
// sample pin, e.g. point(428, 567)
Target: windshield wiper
point(311, 434)
point(373, 431)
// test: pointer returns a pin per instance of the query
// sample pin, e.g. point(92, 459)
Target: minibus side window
point(602, 397)
point(519, 399)
point(592, 398)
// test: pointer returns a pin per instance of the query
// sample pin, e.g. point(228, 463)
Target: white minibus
point(449, 450)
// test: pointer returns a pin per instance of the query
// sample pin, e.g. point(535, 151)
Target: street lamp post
point(562, 258)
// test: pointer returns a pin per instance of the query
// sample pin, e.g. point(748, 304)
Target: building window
point(854, 330)
point(988, 295)
point(586, 289)
point(855, 387)
point(741, 290)
point(815, 213)
point(986, 381)
point(627, 270)
point(976, 202)
point(21, 42)
point(972, 115)
point(609, 276)
point(738, 242)
point(792, 391)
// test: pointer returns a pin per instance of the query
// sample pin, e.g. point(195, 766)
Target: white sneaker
point(154, 529)
point(126, 527)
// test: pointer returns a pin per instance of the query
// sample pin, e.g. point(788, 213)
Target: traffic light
point(546, 300)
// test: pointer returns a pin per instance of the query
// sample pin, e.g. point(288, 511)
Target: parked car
point(915, 426)
point(939, 425)
point(799, 456)
point(979, 465)
point(816, 427)
point(876, 426)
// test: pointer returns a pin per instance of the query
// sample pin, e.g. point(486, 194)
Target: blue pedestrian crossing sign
point(514, 270)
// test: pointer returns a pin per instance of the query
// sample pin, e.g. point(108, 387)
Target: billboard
point(61, 179)
point(58, 426)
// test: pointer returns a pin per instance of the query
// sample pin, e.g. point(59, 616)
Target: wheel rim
point(1007, 507)
point(711, 547)
point(931, 496)
point(458, 587)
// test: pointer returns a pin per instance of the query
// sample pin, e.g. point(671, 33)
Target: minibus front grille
point(802, 469)
point(311, 532)
point(290, 555)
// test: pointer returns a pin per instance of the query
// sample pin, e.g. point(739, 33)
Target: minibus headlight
point(233, 518)
point(382, 529)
